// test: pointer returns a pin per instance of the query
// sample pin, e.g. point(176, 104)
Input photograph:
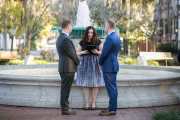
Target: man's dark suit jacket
point(178, 56)
point(68, 59)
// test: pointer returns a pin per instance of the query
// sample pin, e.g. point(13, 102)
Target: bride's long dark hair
point(94, 39)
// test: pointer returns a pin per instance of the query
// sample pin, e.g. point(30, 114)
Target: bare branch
point(143, 26)
point(35, 23)
point(146, 33)
point(41, 28)
point(99, 12)
point(91, 2)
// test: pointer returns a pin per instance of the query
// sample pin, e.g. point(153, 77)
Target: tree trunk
point(25, 23)
point(154, 44)
point(28, 40)
point(12, 43)
point(26, 16)
point(5, 25)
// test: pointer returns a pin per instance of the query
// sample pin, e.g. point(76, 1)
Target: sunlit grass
point(21, 62)
point(126, 61)
point(131, 61)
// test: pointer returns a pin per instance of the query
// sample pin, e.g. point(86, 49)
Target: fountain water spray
point(83, 19)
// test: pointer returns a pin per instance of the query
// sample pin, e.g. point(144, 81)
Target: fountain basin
point(138, 86)
point(78, 32)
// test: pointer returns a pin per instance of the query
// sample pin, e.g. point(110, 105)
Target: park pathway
point(29, 113)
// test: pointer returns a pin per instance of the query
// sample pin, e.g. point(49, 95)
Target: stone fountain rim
point(44, 92)
point(127, 79)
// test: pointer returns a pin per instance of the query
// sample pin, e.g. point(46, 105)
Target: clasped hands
point(79, 64)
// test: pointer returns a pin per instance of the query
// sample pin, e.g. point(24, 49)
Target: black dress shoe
point(69, 112)
point(93, 108)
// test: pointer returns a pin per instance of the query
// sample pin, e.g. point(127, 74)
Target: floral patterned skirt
point(88, 73)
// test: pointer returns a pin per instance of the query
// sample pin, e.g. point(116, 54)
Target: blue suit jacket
point(108, 58)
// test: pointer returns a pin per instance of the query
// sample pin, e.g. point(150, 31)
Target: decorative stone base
point(160, 86)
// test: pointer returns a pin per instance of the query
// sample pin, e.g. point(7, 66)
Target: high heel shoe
point(86, 108)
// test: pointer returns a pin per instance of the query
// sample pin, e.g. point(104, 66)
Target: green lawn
point(127, 61)
point(21, 62)
point(172, 114)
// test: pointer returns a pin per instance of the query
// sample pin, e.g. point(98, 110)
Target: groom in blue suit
point(108, 63)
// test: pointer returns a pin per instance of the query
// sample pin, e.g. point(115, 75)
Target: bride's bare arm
point(100, 50)
point(80, 52)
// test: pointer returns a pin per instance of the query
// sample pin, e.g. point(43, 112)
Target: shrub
point(13, 62)
point(23, 51)
point(44, 54)
point(168, 47)
point(172, 114)
point(169, 62)
point(134, 56)
point(51, 55)
point(4, 62)
point(48, 55)
point(172, 63)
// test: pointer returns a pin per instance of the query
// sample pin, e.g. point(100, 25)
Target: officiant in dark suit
point(68, 62)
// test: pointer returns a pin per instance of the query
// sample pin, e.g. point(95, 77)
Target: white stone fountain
point(138, 86)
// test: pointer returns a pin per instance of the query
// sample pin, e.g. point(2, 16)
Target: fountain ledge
point(40, 91)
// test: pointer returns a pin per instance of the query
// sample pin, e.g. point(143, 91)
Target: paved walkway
point(29, 113)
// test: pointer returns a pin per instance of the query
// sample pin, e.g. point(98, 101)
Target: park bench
point(143, 56)
point(7, 55)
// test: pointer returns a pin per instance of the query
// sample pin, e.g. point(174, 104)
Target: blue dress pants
point(110, 82)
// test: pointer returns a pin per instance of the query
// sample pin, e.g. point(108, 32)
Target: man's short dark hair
point(111, 24)
point(64, 24)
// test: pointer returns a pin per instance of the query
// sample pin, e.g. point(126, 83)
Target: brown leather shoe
point(69, 112)
point(107, 112)
point(104, 110)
